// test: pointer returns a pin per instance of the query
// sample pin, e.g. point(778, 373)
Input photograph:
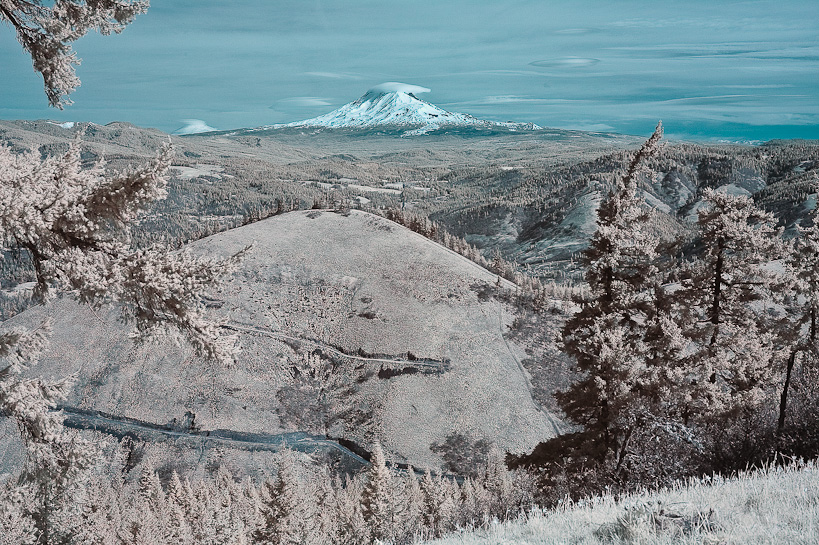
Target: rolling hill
point(415, 331)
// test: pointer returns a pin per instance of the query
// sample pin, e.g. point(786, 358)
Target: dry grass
point(771, 506)
point(354, 283)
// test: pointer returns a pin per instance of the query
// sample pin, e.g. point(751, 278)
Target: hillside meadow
point(773, 505)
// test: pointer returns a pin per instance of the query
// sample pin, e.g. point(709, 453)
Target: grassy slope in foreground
point(763, 507)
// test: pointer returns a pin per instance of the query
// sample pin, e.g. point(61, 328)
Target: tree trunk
point(715, 308)
point(608, 290)
point(621, 456)
point(604, 424)
point(783, 400)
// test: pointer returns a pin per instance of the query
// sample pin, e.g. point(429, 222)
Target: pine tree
point(450, 504)
point(288, 512)
point(57, 460)
point(228, 523)
point(413, 504)
point(431, 507)
point(176, 491)
point(498, 483)
point(178, 530)
point(606, 336)
point(327, 502)
point(484, 503)
point(439, 510)
point(729, 288)
point(352, 528)
point(470, 514)
point(47, 31)
point(667, 375)
point(377, 498)
point(252, 506)
point(57, 472)
point(140, 525)
point(151, 488)
point(800, 332)
point(203, 509)
point(72, 223)
point(16, 527)
point(269, 531)
point(98, 513)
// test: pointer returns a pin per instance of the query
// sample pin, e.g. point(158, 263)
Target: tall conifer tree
point(606, 336)
point(729, 288)
point(377, 501)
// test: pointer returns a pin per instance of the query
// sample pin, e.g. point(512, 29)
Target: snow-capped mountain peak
point(394, 104)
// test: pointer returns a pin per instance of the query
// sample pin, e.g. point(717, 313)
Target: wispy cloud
point(305, 102)
point(744, 50)
point(574, 31)
point(707, 23)
point(333, 75)
point(493, 100)
point(759, 86)
point(494, 72)
point(566, 62)
point(508, 99)
point(713, 99)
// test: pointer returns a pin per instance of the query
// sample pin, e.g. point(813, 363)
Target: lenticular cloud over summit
point(397, 87)
point(194, 126)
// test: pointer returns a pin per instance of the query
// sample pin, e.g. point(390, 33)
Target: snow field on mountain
point(395, 104)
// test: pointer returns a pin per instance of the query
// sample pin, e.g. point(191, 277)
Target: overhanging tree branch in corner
point(46, 34)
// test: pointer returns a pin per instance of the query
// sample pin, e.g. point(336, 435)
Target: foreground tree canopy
point(70, 221)
point(46, 31)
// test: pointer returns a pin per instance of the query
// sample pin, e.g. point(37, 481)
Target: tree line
point(301, 504)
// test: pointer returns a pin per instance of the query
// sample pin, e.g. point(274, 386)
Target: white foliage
point(728, 290)
point(377, 500)
point(72, 221)
point(46, 31)
point(16, 528)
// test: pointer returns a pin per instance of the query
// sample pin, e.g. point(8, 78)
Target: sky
point(711, 70)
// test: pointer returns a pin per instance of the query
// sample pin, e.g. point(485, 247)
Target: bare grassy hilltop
point(415, 341)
